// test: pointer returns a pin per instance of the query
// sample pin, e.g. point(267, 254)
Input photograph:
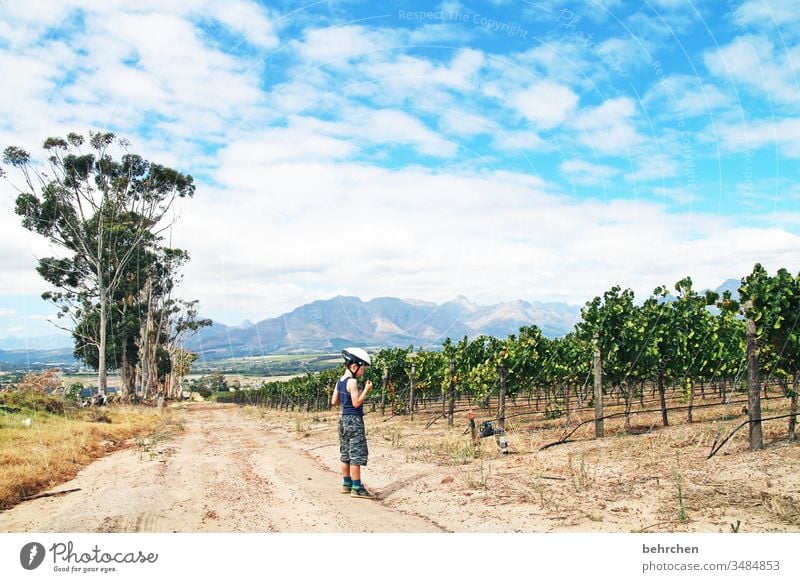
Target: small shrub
point(73, 392)
point(32, 401)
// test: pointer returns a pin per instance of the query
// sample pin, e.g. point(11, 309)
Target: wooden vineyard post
point(473, 433)
point(451, 408)
point(599, 430)
point(383, 391)
point(662, 394)
point(412, 356)
point(793, 409)
point(501, 400)
point(754, 390)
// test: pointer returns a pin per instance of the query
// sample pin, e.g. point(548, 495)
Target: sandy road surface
point(259, 470)
point(227, 472)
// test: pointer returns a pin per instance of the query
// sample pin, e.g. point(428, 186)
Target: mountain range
point(331, 324)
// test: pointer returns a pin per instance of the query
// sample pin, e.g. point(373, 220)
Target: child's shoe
point(361, 493)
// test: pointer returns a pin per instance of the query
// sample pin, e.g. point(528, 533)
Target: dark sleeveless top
point(346, 399)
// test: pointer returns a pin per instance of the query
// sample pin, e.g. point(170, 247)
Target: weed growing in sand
point(146, 444)
point(459, 452)
point(141, 445)
point(395, 436)
point(545, 495)
point(300, 427)
point(677, 480)
point(479, 477)
point(579, 477)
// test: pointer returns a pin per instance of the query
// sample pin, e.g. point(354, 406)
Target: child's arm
point(335, 395)
point(357, 396)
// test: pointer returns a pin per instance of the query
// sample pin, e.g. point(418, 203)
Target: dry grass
point(39, 450)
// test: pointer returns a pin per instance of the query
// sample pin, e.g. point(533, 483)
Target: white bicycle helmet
point(357, 356)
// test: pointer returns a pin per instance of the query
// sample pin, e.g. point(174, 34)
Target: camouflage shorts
point(352, 440)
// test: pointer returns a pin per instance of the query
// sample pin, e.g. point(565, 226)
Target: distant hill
point(329, 325)
point(41, 342)
point(36, 359)
point(731, 285)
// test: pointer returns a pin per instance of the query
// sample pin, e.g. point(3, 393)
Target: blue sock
point(356, 484)
point(347, 481)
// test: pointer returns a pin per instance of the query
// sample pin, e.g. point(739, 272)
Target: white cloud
point(282, 233)
point(546, 104)
point(780, 134)
point(390, 127)
point(19, 251)
point(675, 196)
point(621, 55)
point(678, 97)
point(655, 166)
point(754, 62)
point(767, 14)
point(146, 69)
point(292, 212)
point(520, 140)
point(246, 18)
point(405, 75)
point(336, 45)
point(288, 144)
point(608, 128)
point(582, 172)
point(465, 123)
point(450, 6)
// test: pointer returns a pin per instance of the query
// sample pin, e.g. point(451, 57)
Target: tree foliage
point(113, 279)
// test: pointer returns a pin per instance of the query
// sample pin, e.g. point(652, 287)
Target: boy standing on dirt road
point(353, 450)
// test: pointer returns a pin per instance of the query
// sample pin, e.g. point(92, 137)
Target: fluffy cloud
point(545, 104)
point(582, 172)
point(779, 134)
point(609, 128)
point(755, 63)
point(314, 230)
point(352, 159)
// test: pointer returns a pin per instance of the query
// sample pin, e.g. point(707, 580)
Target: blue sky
point(501, 150)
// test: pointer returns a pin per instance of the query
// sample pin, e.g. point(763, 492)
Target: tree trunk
point(662, 393)
point(147, 347)
point(102, 374)
point(127, 373)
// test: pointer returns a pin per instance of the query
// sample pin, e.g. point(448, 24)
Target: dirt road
point(258, 470)
point(227, 472)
